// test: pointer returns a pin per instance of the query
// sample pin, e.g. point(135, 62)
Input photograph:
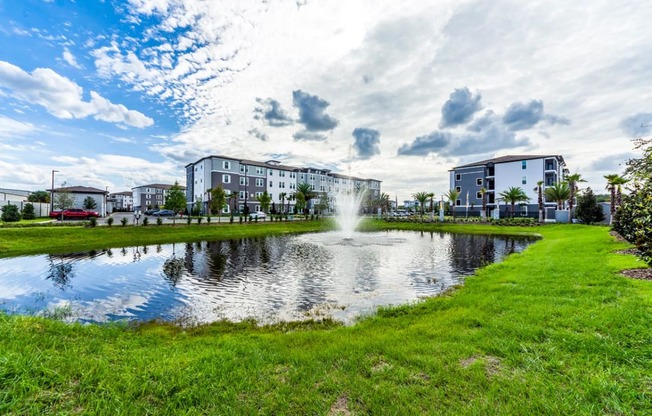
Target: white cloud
point(70, 59)
point(63, 98)
point(10, 128)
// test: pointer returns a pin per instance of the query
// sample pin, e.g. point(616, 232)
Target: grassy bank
point(554, 330)
point(59, 239)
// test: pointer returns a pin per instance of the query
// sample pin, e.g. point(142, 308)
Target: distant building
point(80, 193)
point(150, 196)
point(13, 195)
point(248, 179)
point(122, 201)
point(498, 174)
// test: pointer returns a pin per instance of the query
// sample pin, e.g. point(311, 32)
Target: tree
point(322, 205)
point(39, 196)
point(384, 202)
point(218, 201)
point(573, 180)
point(452, 196)
point(10, 213)
point(588, 210)
point(612, 184)
point(559, 193)
point(233, 197)
point(28, 212)
point(282, 196)
point(422, 197)
point(301, 202)
point(539, 190)
point(175, 200)
point(431, 195)
point(514, 195)
point(291, 197)
point(264, 199)
point(63, 199)
point(306, 191)
point(89, 203)
point(197, 206)
point(483, 193)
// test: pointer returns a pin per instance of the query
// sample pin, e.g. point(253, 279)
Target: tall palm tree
point(483, 213)
point(619, 182)
point(573, 180)
point(432, 203)
point(539, 190)
point(612, 184)
point(513, 195)
point(559, 193)
point(422, 197)
point(291, 198)
point(452, 196)
point(306, 192)
point(384, 202)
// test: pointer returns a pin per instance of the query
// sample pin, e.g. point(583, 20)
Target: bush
point(199, 220)
point(208, 219)
point(28, 212)
point(231, 219)
point(633, 220)
point(10, 213)
point(188, 220)
point(124, 221)
point(109, 221)
point(588, 210)
point(145, 221)
point(92, 222)
point(159, 221)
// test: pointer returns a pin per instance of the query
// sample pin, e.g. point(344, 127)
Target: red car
point(74, 213)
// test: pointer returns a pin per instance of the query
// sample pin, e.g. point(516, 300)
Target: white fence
point(40, 209)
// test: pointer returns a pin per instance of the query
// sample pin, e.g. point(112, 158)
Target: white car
point(258, 214)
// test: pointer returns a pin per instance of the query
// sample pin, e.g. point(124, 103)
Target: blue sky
point(121, 93)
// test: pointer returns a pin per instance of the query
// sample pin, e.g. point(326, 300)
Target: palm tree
point(513, 195)
point(282, 196)
point(291, 197)
point(612, 180)
point(483, 214)
point(384, 202)
point(619, 182)
point(452, 196)
point(539, 190)
point(573, 180)
point(305, 190)
point(431, 195)
point(559, 193)
point(422, 197)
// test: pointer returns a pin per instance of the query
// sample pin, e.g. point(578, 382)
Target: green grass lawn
point(553, 330)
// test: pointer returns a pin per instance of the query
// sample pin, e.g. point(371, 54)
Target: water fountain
point(347, 205)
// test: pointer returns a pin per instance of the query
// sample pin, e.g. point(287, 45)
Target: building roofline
point(508, 159)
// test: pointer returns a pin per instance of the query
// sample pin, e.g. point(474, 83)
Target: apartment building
point(498, 174)
point(249, 178)
point(150, 196)
point(122, 201)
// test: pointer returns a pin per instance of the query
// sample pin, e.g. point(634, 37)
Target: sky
point(116, 94)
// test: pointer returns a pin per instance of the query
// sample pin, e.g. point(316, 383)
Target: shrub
point(189, 220)
point(159, 221)
point(124, 221)
point(28, 212)
point(588, 210)
point(208, 219)
point(10, 213)
point(199, 220)
point(240, 219)
point(231, 219)
point(633, 220)
point(109, 221)
point(92, 222)
point(145, 221)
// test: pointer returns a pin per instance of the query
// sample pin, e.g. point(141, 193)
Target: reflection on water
point(269, 279)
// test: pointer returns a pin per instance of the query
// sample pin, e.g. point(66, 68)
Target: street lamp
point(52, 192)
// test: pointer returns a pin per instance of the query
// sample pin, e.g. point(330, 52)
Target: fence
point(40, 209)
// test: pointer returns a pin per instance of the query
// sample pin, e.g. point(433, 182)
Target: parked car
point(151, 211)
point(258, 214)
point(164, 213)
point(74, 213)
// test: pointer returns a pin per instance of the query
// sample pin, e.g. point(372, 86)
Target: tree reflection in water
point(173, 268)
point(60, 272)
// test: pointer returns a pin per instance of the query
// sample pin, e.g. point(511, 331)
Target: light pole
point(52, 192)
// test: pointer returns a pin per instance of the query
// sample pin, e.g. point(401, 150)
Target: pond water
point(270, 279)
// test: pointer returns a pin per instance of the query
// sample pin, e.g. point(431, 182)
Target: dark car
point(151, 211)
point(164, 213)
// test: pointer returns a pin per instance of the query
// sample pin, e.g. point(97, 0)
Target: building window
point(257, 208)
point(458, 188)
point(478, 181)
point(524, 164)
point(458, 177)
point(242, 194)
point(282, 174)
point(271, 172)
point(226, 165)
point(478, 195)
point(258, 194)
point(240, 207)
point(524, 180)
point(271, 184)
point(458, 202)
point(244, 168)
point(259, 183)
point(244, 181)
point(226, 178)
